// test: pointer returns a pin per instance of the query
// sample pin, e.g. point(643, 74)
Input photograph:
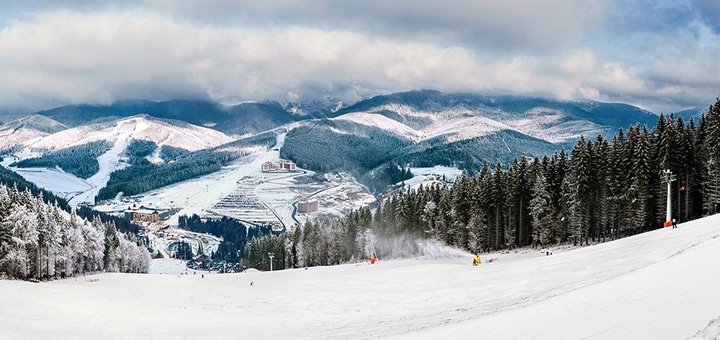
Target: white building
point(279, 166)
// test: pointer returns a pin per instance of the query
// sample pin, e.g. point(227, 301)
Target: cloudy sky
point(660, 55)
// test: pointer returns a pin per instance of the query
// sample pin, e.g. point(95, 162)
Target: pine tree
point(712, 140)
point(639, 195)
point(541, 212)
point(580, 192)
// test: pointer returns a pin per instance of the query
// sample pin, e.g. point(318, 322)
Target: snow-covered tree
point(541, 212)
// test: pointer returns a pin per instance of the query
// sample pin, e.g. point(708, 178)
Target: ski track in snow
point(108, 162)
point(661, 284)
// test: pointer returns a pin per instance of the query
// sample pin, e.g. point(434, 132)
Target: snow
point(433, 175)
point(160, 131)
point(454, 125)
point(108, 162)
point(59, 182)
point(459, 123)
point(167, 266)
point(382, 122)
point(547, 124)
point(120, 133)
point(12, 137)
point(657, 285)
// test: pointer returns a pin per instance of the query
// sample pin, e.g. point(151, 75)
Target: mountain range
point(415, 128)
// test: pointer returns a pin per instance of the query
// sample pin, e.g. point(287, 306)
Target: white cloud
point(63, 57)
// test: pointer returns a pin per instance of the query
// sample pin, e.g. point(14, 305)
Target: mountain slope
point(95, 151)
point(161, 131)
point(657, 285)
point(551, 120)
point(25, 129)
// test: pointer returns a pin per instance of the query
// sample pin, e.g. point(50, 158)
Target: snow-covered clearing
point(430, 176)
point(59, 182)
point(658, 285)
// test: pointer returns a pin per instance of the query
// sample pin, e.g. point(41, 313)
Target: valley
point(275, 193)
point(154, 155)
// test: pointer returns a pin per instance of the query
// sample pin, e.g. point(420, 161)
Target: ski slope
point(658, 285)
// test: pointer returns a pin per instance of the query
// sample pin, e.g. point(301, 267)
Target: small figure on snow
point(476, 260)
point(251, 283)
point(674, 225)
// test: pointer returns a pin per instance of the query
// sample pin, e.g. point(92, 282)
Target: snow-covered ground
point(59, 182)
point(658, 285)
point(433, 175)
point(167, 266)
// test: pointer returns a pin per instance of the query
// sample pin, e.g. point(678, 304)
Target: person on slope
point(476, 260)
point(674, 224)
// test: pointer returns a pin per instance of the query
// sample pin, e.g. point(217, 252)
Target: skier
point(674, 224)
point(476, 260)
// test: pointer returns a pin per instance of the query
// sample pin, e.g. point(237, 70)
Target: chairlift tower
point(668, 177)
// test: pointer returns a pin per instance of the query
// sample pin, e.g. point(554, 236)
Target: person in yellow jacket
point(476, 260)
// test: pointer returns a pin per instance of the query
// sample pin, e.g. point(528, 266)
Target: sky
point(659, 55)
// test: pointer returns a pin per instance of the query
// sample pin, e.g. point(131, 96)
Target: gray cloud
point(231, 51)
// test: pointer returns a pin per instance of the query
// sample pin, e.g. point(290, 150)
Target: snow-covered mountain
point(428, 128)
point(141, 127)
point(27, 129)
point(457, 116)
point(94, 151)
point(416, 128)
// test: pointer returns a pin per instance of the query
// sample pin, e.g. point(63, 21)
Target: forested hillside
point(142, 176)
point(341, 145)
point(328, 145)
point(10, 178)
point(78, 160)
point(601, 190)
point(40, 241)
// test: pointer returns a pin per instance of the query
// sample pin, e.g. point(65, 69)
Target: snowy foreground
point(660, 285)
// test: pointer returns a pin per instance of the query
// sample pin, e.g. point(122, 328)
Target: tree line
point(80, 160)
point(601, 190)
point(40, 241)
